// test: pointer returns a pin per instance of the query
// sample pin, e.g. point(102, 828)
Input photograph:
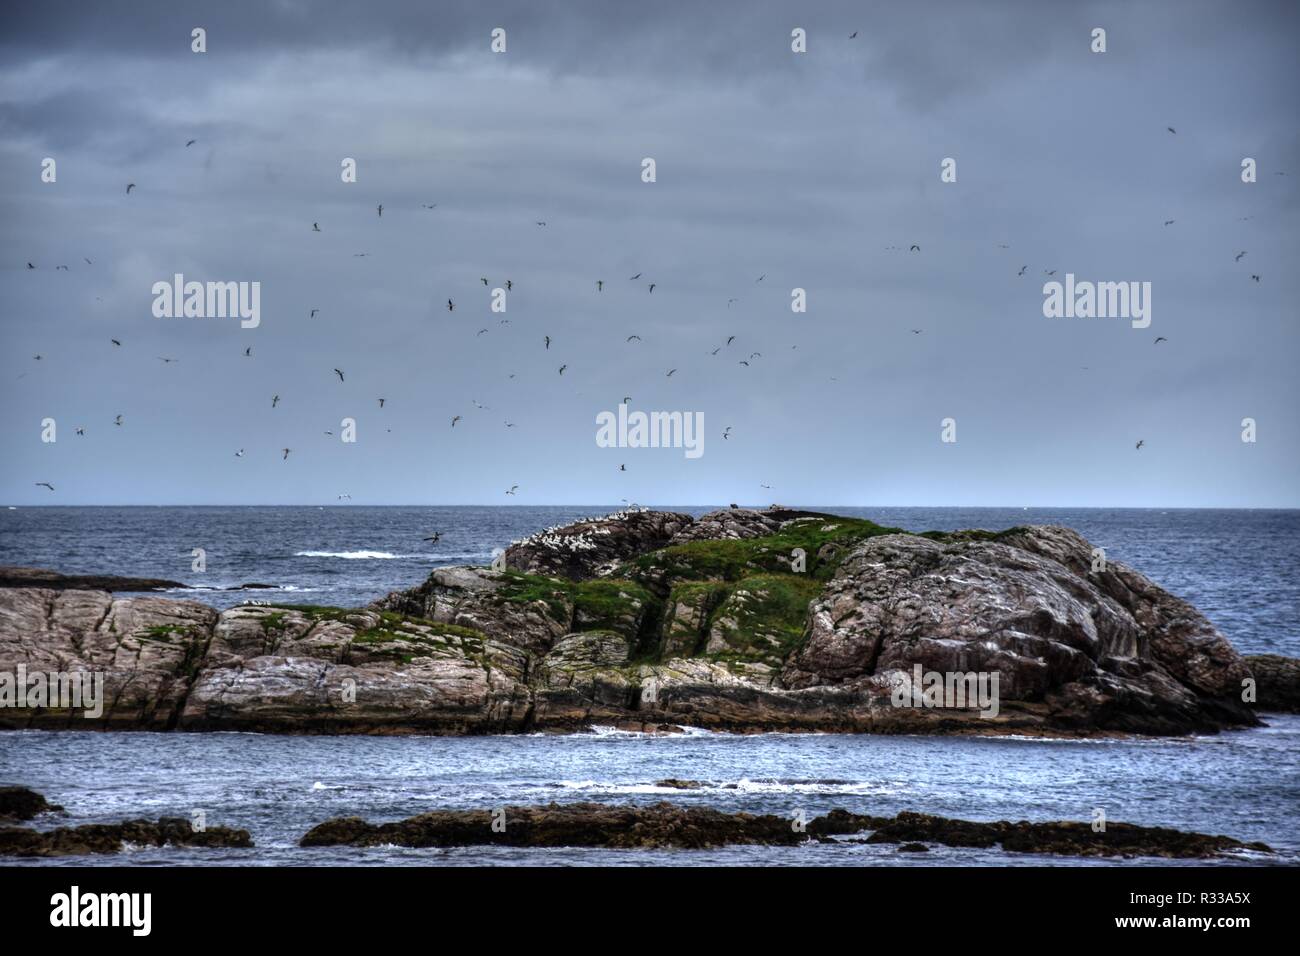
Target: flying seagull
point(248, 352)
point(1159, 339)
point(275, 400)
point(167, 361)
point(1256, 278)
point(1169, 222)
point(315, 227)
point(81, 430)
point(540, 223)
point(670, 373)
point(117, 420)
point(381, 402)
point(381, 210)
point(631, 337)
point(240, 453)
point(548, 340)
point(286, 454)
point(451, 306)
point(433, 537)
point(190, 143)
point(1172, 130)
point(652, 288)
point(129, 187)
point(339, 373)
point(429, 205)
point(1237, 257)
point(853, 35)
point(600, 285)
point(483, 280)
point(44, 484)
point(313, 313)
point(512, 490)
point(634, 278)
point(914, 248)
point(115, 342)
point(726, 433)
point(454, 421)
point(1022, 270)
point(562, 368)
point(730, 339)
point(1140, 443)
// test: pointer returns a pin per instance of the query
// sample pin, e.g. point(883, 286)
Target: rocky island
point(741, 620)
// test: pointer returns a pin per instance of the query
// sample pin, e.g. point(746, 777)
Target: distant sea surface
point(1242, 568)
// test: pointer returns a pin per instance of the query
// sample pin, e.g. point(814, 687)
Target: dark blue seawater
point(1239, 567)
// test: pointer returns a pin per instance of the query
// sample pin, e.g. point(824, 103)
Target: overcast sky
point(815, 170)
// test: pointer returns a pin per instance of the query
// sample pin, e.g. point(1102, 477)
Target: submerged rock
point(19, 803)
point(668, 825)
point(113, 837)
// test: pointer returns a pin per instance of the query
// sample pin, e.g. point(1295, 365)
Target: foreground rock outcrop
point(743, 620)
point(113, 837)
point(19, 803)
point(667, 825)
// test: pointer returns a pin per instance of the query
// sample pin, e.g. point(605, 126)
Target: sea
point(1240, 567)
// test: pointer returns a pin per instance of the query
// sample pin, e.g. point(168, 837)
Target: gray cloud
point(803, 169)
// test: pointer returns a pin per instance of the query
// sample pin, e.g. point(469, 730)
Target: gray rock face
point(1107, 649)
point(590, 548)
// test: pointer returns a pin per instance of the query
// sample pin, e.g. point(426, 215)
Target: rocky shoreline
point(667, 825)
point(655, 826)
point(742, 620)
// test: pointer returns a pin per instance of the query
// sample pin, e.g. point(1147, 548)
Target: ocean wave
point(353, 555)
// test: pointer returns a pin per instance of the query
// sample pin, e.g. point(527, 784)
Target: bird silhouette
point(1256, 278)
point(562, 368)
point(634, 278)
point(631, 337)
point(1237, 257)
point(81, 430)
point(1159, 339)
point(454, 420)
point(670, 373)
point(44, 484)
point(1140, 443)
point(240, 453)
point(548, 340)
point(1169, 222)
point(117, 420)
point(434, 538)
point(275, 400)
point(1172, 130)
point(730, 339)
point(600, 285)
point(129, 187)
point(315, 227)
point(313, 313)
point(726, 433)
point(483, 280)
point(1022, 270)
point(381, 402)
point(286, 454)
point(248, 352)
point(380, 210)
point(513, 489)
point(652, 288)
point(451, 306)
point(339, 373)
point(115, 342)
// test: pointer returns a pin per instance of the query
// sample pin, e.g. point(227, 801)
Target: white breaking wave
point(353, 555)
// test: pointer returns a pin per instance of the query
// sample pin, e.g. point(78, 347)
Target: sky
point(774, 171)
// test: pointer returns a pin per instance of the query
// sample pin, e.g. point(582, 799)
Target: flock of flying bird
point(546, 339)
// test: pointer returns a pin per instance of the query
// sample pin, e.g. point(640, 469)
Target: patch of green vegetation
point(763, 618)
point(597, 604)
point(824, 542)
point(163, 632)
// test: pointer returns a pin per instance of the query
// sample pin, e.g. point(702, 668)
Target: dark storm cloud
point(805, 169)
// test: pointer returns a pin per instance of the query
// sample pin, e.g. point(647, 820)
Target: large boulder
point(1107, 649)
